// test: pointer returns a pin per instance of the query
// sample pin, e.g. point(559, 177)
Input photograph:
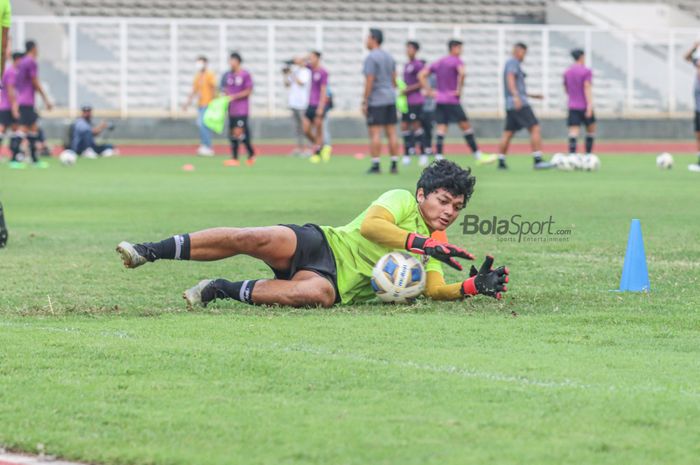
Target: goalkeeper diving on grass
point(323, 265)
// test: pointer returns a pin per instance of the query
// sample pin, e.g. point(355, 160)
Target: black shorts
point(414, 114)
point(312, 254)
point(6, 118)
point(427, 118)
point(311, 112)
point(697, 121)
point(237, 122)
point(27, 115)
point(382, 115)
point(519, 119)
point(446, 113)
point(578, 117)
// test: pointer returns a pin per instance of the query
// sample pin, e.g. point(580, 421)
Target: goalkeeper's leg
point(305, 289)
point(275, 245)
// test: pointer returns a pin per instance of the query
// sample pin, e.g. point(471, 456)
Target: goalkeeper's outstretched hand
point(486, 280)
point(444, 252)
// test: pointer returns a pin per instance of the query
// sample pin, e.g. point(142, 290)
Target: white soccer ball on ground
point(561, 161)
point(591, 162)
point(68, 157)
point(664, 161)
point(398, 278)
point(558, 159)
point(575, 161)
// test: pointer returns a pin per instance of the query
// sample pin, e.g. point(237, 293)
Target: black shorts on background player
point(312, 254)
point(520, 119)
point(578, 117)
point(446, 113)
point(414, 114)
point(237, 122)
point(6, 118)
point(27, 115)
point(311, 112)
point(697, 121)
point(382, 115)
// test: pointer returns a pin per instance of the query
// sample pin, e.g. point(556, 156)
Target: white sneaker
point(89, 153)
point(130, 256)
point(204, 151)
point(107, 153)
point(406, 160)
point(695, 167)
point(439, 156)
point(193, 295)
point(423, 160)
point(485, 158)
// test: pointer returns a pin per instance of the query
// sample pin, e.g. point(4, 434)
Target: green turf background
point(103, 364)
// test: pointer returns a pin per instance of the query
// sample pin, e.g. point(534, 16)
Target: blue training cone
point(635, 277)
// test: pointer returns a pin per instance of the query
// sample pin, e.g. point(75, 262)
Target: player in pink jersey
point(450, 74)
point(27, 84)
point(317, 108)
point(411, 128)
point(9, 107)
point(238, 84)
point(578, 85)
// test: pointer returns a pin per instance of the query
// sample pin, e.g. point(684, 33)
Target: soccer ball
point(562, 162)
point(664, 161)
point(68, 157)
point(398, 278)
point(575, 161)
point(558, 160)
point(591, 163)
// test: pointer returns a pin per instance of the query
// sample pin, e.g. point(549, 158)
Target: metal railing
point(144, 66)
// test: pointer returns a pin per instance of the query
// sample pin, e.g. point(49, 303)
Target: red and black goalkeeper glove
point(446, 253)
point(486, 281)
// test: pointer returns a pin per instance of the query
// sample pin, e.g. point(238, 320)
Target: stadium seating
point(691, 6)
point(475, 11)
point(151, 68)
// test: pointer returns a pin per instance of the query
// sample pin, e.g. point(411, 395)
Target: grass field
point(103, 364)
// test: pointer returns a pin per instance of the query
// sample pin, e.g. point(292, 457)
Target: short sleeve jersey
point(513, 67)
point(233, 83)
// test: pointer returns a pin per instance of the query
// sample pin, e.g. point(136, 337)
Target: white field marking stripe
point(16, 459)
point(602, 259)
point(470, 373)
point(105, 333)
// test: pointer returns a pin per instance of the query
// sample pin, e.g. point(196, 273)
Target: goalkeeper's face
point(439, 208)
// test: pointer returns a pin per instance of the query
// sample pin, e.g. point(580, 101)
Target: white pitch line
point(477, 374)
point(16, 459)
point(54, 329)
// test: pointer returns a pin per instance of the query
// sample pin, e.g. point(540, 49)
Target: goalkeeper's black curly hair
point(449, 176)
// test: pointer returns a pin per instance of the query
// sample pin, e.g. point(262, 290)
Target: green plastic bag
point(216, 113)
point(401, 99)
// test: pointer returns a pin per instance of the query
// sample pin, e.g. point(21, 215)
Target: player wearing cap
point(450, 74)
point(238, 85)
point(379, 102)
point(82, 136)
point(578, 85)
